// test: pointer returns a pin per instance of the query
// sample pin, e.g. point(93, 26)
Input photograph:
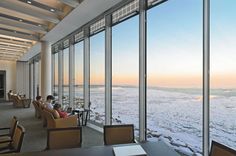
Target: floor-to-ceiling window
point(125, 72)
point(97, 77)
point(65, 96)
point(223, 77)
point(174, 74)
point(55, 76)
point(79, 74)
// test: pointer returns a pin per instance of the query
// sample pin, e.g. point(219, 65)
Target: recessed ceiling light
point(29, 2)
point(20, 20)
point(52, 10)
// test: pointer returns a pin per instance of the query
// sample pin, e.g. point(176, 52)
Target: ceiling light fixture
point(52, 10)
point(20, 20)
point(29, 2)
point(39, 25)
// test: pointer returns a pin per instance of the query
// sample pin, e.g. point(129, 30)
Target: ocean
point(173, 114)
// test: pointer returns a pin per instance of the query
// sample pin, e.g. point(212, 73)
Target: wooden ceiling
point(24, 22)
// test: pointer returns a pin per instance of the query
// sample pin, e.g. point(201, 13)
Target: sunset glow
point(174, 55)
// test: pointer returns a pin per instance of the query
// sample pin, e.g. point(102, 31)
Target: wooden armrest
point(6, 141)
point(4, 128)
point(8, 151)
point(4, 135)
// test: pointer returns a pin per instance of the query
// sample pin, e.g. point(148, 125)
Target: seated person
point(10, 92)
point(39, 99)
point(62, 114)
point(49, 101)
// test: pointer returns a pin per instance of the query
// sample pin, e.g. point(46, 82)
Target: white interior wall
point(10, 68)
point(22, 75)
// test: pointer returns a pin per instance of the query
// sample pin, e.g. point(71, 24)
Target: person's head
point(57, 106)
point(50, 98)
point(39, 98)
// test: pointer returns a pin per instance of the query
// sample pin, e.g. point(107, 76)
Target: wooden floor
point(35, 137)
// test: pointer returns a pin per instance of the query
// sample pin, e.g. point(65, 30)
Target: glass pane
point(79, 73)
point(97, 77)
point(55, 85)
point(174, 66)
point(125, 78)
point(65, 97)
point(223, 77)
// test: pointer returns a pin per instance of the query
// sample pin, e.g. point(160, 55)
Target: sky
point(174, 47)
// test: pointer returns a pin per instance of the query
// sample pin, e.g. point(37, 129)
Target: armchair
point(13, 145)
point(20, 102)
point(54, 120)
point(12, 128)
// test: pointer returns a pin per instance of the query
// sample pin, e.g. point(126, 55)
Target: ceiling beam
point(18, 35)
point(10, 54)
point(16, 39)
point(11, 51)
point(22, 25)
point(2, 46)
point(71, 3)
point(7, 56)
point(43, 6)
point(16, 43)
point(7, 59)
point(17, 29)
point(15, 6)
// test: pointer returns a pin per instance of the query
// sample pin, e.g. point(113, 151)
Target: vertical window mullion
point(71, 72)
point(142, 69)
point(60, 75)
point(86, 68)
point(108, 70)
point(206, 75)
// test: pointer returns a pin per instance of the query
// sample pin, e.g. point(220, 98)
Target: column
point(46, 69)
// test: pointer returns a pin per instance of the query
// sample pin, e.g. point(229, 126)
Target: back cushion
point(64, 139)
point(16, 138)
point(118, 135)
point(55, 114)
point(219, 151)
